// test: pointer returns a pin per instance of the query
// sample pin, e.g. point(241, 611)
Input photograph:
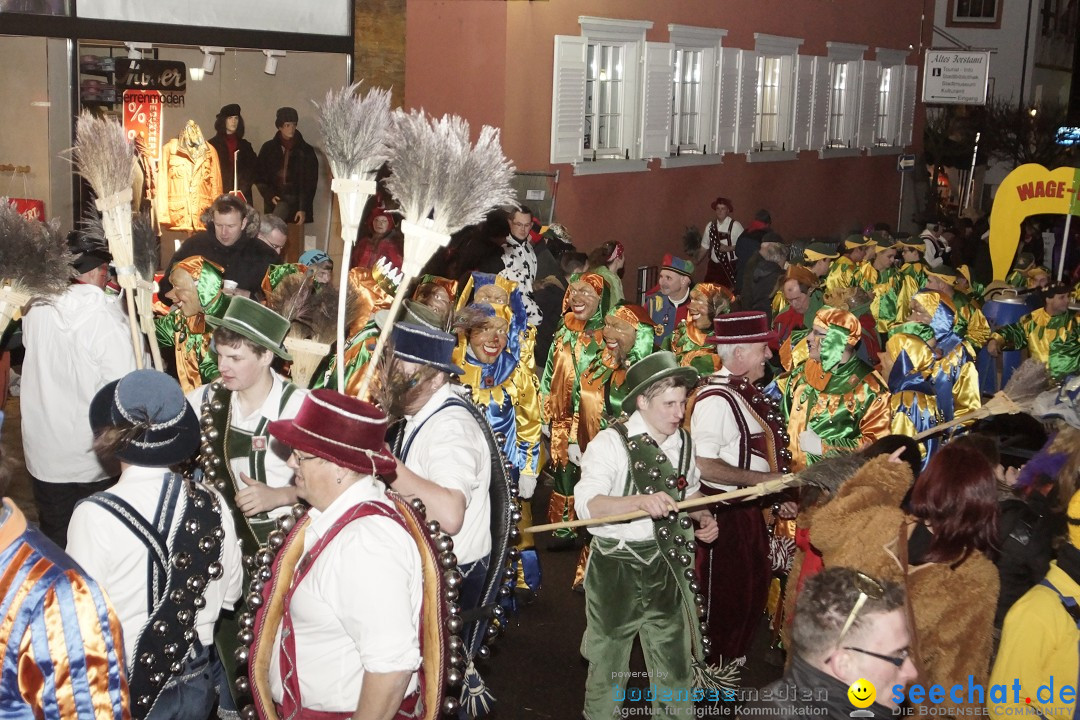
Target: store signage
point(169, 76)
point(956, 77)
point(142, 118)
point(1028, 190)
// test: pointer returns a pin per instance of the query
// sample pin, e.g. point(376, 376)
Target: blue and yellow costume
point(62, 643)
point(506, 391)
point(913, 399)
point(955, 379)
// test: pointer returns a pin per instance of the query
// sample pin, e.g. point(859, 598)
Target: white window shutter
point(868, 103)
point(656, 106)
point(804, 101)
point(568, 99)
point(907, 108)
point(727, 110)
point(819, 114)
point(748, 82)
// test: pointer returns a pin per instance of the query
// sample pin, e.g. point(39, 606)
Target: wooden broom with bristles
point(34, 261)
point(442, 183)
point(104, 156)
point(355, 130)
point(1019, 393)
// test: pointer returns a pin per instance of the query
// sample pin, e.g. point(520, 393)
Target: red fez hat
point(751, 326)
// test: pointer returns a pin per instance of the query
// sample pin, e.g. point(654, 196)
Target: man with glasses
point(850, 641)
point(274, 232)
point(520, 262)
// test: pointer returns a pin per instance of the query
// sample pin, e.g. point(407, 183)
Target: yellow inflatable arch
point(1029, 190)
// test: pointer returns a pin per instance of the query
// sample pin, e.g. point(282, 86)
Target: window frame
point(848, 56)
point(892, 63)
point(951, 19)
point(709, 41)
point(786, 49)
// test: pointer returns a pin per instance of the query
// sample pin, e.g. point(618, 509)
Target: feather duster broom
point(355, 129)
point(312, 317)
point(442, 183)
point(104, 156)
point(1018, 395)
point(34, 261)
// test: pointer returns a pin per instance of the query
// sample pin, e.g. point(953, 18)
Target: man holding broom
point(645, 462)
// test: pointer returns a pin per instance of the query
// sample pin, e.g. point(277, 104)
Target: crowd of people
point(262, 533)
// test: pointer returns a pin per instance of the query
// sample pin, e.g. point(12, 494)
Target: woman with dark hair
point(235, 154)
point(941, 550)
point(608, 261)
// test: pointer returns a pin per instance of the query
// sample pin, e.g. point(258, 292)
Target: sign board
point(905, 163)
point(142, 118)
point(1028, 190)
point(956, 77)
point(166, 75)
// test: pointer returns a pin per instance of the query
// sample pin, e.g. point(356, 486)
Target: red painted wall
point(491, 62)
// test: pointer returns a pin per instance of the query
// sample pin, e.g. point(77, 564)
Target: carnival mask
point(583, 300)
point(489, 340)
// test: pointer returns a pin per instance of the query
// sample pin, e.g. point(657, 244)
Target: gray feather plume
point(102, 154)
point(355, 129)
point(146, 245)
point(34, 258)
point(439, 174)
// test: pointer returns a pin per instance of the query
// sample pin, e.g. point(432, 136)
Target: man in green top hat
point(844, 270)
point(645, 462)
point(238, 455)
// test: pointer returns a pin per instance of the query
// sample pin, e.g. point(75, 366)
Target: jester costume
point(893, 303)
point(63, 653)
point(1052, 339)
point(956, 381)
point(688, 341)
point(844, 273)
point(602, 386)
point(503, 290)
point(912, 399)
point(196, 364)
point(845, 403)
point(575, 345)
point(506, 392)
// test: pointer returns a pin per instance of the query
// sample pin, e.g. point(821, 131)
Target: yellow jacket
point(1038, 642)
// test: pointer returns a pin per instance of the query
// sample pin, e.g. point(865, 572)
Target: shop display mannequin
point(189, 179)
point(237, 157)
point(288, 171)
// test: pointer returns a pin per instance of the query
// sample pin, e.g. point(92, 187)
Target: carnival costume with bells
point(227, 451)
point(196, 364)
point(845, 404)
point(573, 349)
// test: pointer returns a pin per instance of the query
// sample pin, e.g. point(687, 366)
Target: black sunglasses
point(897, 660)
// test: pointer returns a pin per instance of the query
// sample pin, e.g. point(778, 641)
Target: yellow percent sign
point(1028, 190)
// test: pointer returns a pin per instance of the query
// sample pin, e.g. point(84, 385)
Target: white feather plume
point(355, 128)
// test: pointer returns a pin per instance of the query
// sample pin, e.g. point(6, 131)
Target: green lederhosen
point(253, 531)
point(645, 588)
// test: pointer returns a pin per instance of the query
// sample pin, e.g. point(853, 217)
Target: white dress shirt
point(731, 226)
point(276, 457)
point(717, 435)
point(358, 608)
point(603, 472)
point(450, 450)
point(111, 554)
point(75, 345)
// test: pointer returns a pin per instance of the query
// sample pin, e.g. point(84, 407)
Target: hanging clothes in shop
point(189, 179)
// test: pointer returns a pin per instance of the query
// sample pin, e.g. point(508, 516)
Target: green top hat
point(257, 323)
point(651, 369)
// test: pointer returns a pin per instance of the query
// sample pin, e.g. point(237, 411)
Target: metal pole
point(969, 187)
point(1064, 247)
point(900, 207)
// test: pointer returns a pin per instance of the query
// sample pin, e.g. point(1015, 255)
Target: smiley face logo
point(862, 693)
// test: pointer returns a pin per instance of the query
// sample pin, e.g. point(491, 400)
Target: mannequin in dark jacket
point(235, 154)
point(288, 171)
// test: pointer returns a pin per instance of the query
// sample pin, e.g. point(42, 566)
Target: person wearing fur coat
point(939, 551)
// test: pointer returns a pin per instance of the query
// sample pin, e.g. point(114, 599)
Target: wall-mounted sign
point(956, 77)
point(142, 118)
point(169, 76)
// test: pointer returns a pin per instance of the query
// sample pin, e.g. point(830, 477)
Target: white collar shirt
point(450, 450)
point(111, 554)
point(717, 434)
point(604, 468)
point(358, 608)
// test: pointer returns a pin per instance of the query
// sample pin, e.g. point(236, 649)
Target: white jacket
point(75, 344)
